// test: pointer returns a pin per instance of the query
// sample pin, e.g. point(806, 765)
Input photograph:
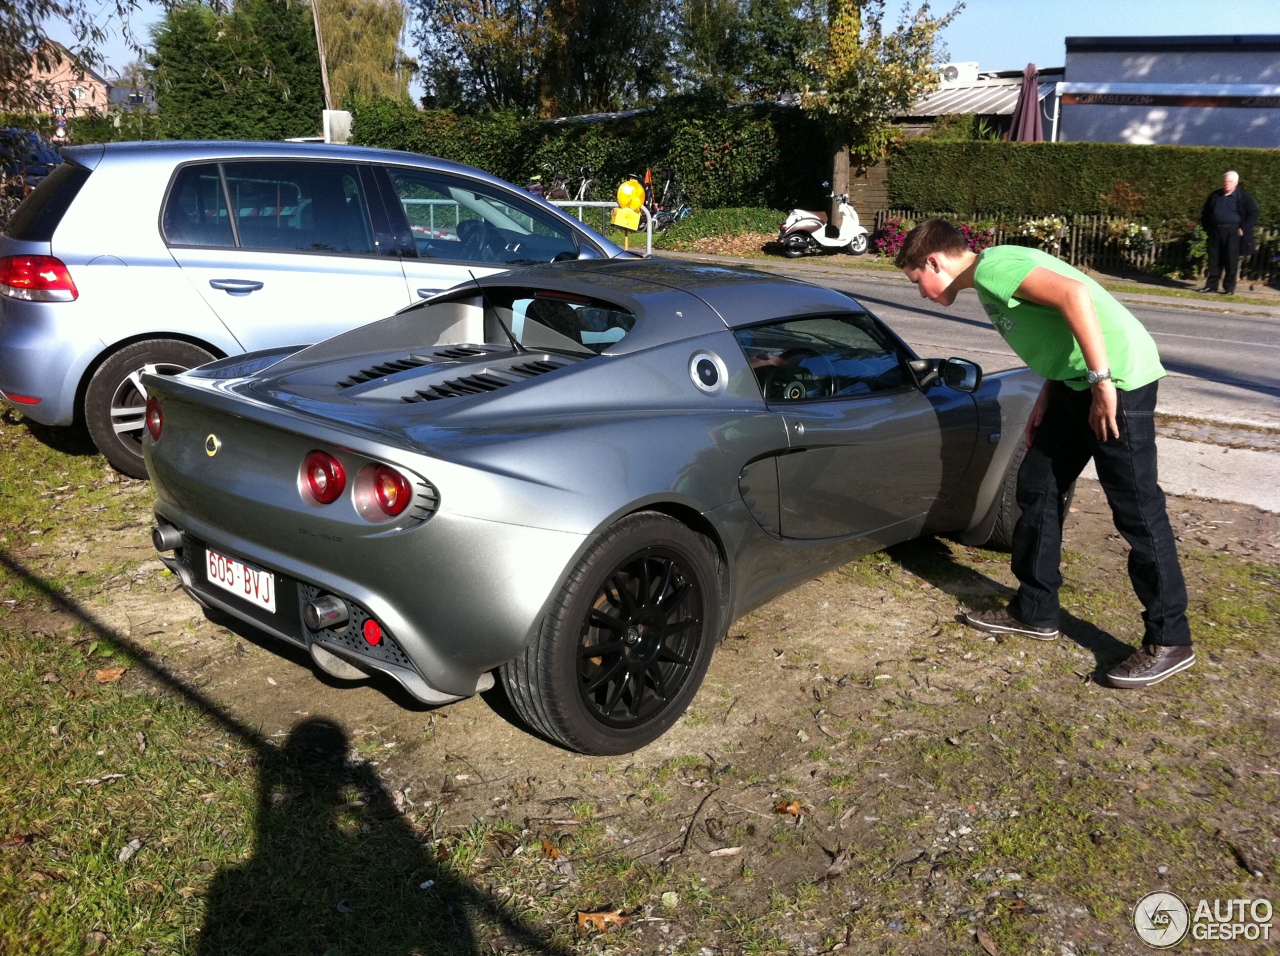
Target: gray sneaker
point(1002, 622)
point(1152, 664)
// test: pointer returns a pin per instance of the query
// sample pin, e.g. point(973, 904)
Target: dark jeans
point(1223, 244)
point(1126, 467)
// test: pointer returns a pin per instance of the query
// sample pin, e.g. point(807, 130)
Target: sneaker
point(1152, 664)
point(1207, 289)
point(1002, 622)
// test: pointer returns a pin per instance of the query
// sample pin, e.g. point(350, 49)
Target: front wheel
point(857, 245)
point(627, 641)
point(1007, 510)
point(115, 403)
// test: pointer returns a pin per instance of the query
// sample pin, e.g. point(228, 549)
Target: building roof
point(1214, 43)
point(992, 94)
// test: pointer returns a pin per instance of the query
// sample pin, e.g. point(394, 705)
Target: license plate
point(254, 585)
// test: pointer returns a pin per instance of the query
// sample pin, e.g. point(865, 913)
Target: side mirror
point(961, 374)
point(926, 372)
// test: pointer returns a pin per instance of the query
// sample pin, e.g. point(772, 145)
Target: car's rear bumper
point(454, 598)
point(43, 354)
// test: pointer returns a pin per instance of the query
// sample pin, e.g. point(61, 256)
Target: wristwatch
point(1095, 377)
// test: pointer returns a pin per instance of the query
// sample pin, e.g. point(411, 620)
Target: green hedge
point(723, 156)
point(1150, 183)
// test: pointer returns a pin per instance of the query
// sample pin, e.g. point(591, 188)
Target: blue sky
point(1002, 34)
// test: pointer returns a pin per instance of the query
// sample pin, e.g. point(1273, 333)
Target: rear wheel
point(795, 247)
point(115, 403)
point(627, 641)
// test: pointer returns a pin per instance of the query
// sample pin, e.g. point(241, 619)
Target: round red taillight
point(155, 418)
point(325, 476)
point(372, 632)
point(392, 490)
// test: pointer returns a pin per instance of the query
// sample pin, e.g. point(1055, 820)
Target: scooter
point(805, 232)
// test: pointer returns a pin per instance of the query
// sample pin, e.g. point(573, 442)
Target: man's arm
point(1071, 297)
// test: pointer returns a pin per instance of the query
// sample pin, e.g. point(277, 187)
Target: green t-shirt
point(1039, 333)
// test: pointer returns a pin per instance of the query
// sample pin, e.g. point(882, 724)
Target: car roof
point(181, 151)
point(740, 296)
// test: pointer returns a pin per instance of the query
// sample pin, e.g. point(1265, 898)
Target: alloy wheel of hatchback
point(626, 646)
point(115, 402)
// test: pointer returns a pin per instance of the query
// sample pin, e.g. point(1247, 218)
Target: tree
point(542, 57)
point(747, 50)
point(362, 50)
point(865, 77)
point(252, 73)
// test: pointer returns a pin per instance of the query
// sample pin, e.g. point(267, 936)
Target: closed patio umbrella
point(1027, 125)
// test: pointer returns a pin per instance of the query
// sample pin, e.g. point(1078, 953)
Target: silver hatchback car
point(158, 257)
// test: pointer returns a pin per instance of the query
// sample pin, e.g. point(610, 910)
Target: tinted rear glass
point(38, 216)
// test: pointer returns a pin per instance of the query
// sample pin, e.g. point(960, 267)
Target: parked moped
point(805, 232)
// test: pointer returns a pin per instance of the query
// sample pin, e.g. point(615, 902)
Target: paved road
point(1224, 367)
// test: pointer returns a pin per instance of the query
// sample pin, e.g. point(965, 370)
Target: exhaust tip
point(166, 537)
point(325, 612)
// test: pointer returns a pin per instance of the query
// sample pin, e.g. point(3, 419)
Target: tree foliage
point(362, 49)
point(867, 75)
point(747, 50)
point(251, 73)
point(543, 57)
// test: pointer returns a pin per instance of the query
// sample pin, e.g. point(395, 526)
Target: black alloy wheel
point(639, 643)
point(627, 641)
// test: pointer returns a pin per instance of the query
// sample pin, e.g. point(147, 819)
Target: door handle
point(236, 286)
point(427, 293)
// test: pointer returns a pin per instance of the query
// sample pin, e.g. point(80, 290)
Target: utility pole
point(324, 66)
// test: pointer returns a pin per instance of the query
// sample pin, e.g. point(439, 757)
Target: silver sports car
point(574, 477)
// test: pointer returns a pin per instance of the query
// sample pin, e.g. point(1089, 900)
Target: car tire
point(114, 401)
point(1007, 510)
point(651, 659)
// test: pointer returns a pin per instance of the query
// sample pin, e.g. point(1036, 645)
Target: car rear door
point(286, 252)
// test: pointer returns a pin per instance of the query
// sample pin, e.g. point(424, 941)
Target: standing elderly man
point(1228, 219)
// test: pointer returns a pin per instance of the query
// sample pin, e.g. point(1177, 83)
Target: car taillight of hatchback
point(36, 279)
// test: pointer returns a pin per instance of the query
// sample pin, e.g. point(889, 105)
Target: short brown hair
point(930, 237)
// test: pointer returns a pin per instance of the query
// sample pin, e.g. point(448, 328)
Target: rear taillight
point(36, 279)
point(155, 418)
point(392, 490)
point(324, 477)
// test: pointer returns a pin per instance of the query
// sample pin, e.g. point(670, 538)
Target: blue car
point(159, 257)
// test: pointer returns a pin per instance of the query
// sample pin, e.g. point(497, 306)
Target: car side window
point(823, 357)
point(462, 221)
point(196, 211)
point(300, 207)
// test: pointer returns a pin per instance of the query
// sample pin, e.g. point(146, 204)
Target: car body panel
point(520, 476)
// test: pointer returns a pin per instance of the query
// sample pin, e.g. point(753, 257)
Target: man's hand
point(1037, 415)
point(1102, 414)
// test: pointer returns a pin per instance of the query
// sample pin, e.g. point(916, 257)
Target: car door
point(869, 452)
point(286, 252)
point(454, 228)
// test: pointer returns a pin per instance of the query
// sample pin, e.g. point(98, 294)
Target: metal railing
point(1092, 242)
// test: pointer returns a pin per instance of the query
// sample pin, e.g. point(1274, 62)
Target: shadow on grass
point(931, 560)
point(336, 869)
point(73, 441)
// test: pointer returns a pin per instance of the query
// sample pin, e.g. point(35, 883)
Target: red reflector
point(36, 279)
point(373, 631)
point(21, 399)
point(325, 476)
point(155, 418)
point(392, 489)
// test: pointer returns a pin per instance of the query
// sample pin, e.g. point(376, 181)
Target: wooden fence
point(1089, 242)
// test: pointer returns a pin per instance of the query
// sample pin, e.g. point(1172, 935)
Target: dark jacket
point(1248, 216)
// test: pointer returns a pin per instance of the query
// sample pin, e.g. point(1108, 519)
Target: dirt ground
point(857, 700)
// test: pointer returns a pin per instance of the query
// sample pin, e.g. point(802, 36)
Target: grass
point(977, 761)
